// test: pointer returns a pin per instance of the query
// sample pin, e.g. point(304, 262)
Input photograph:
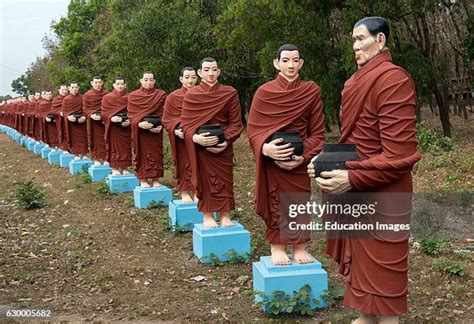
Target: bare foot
point(115, 172)
point(85, 157)
point(144, 184)
point(389, 319)
point(226, 221)
point(106, 163)
point(365, 319)
point(96, 163)
point(279, 256)
point(195, 198)
point(77, 157)
point(209, 221)
point(186, 198)
point(300, 255)
point(156, 184)
point(125, 172)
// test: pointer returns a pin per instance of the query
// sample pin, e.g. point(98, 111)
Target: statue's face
point(289, 64)
point(148, 81)
point(74, 89)
point(120, 85)
point(365, 45)
point(48, 96)
point(37, 95)
point(97, 84)
point(188, 79)
point(63, 91)
point(209, 72)
point(30, 97)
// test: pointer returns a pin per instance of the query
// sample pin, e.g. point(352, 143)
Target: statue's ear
point(200, 73)
point(275, 64)
point(381, 40)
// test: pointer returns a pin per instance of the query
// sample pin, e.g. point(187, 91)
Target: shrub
point(29, 195)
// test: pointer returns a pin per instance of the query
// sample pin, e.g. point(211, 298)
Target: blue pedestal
point(220, 244)
point(79, 166)
point(38, 147)
point(99, 172)
point(183, 216)
point(121, 183)
point(31, 145)
point(144, 197)
point(64, 160)
point(53, 157)
point(268, 278)
point(24, 140)
point(45, 151)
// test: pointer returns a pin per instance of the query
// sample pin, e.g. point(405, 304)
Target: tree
point(19, 86)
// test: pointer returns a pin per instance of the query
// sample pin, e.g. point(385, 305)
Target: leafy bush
point(430, 141)
point(432, 246)
point(280, 302)
point(29, 195)
point(103, 189)
point(452, 268)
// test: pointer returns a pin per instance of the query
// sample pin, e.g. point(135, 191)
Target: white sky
point(23, 23)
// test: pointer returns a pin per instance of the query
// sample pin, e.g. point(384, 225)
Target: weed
point(29, 195)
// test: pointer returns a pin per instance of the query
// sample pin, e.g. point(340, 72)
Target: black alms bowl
point(334, 157)
point(292, 138)
point(214, 130)
point(76, 115)
point(122, 116)
point(153, 119)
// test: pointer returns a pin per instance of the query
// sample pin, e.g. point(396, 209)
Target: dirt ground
point(88, 256)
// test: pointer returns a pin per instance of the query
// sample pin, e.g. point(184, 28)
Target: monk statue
point(378, 116)
point(145, 109)
point(75, 120)
point(211, 123)
point(285, 106)
point(172, 123)
point(117, 136)
point(57, 115)
point(44, 108)
point(35, 122)
point(91, 106)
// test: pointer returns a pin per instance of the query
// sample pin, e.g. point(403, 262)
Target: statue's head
point(119, 84)
point(63, 90)
point(74, 88)
point(37, 95)
point(97, 83)
point(148, 80)
point(288, 61)
point(31, 97)
point(370, 38)
point(209, 71)
point(47, 95)
point(188, 77)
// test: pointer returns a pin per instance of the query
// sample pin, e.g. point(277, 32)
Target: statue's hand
point(218, 148)
point(205, 140)
point(278, 152)
point(290, 165)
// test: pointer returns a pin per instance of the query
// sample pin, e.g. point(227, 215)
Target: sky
point(23, 24)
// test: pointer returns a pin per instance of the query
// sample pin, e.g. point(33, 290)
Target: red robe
point(56, 108)
point(211, 173)
point(31, 118)
point(76, 133)
point(91, 101)
point(280, 105)
point(147, 146)
point(171, 118)
point(47, 136)
point(378, 116)
point(118, 139)
point(37, 129)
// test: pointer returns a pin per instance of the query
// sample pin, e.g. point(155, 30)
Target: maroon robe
point(76, 133)
point(31, 117)
point(171, 119)
point(378, 116)
point(37, 129)
point(91, 101)
point(56, 108)
point(44, 107)
point(280, 105)
point(211, 173)
point(147, 146)
point(118, 139)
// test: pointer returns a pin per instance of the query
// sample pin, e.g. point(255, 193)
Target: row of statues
point(203, 121)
